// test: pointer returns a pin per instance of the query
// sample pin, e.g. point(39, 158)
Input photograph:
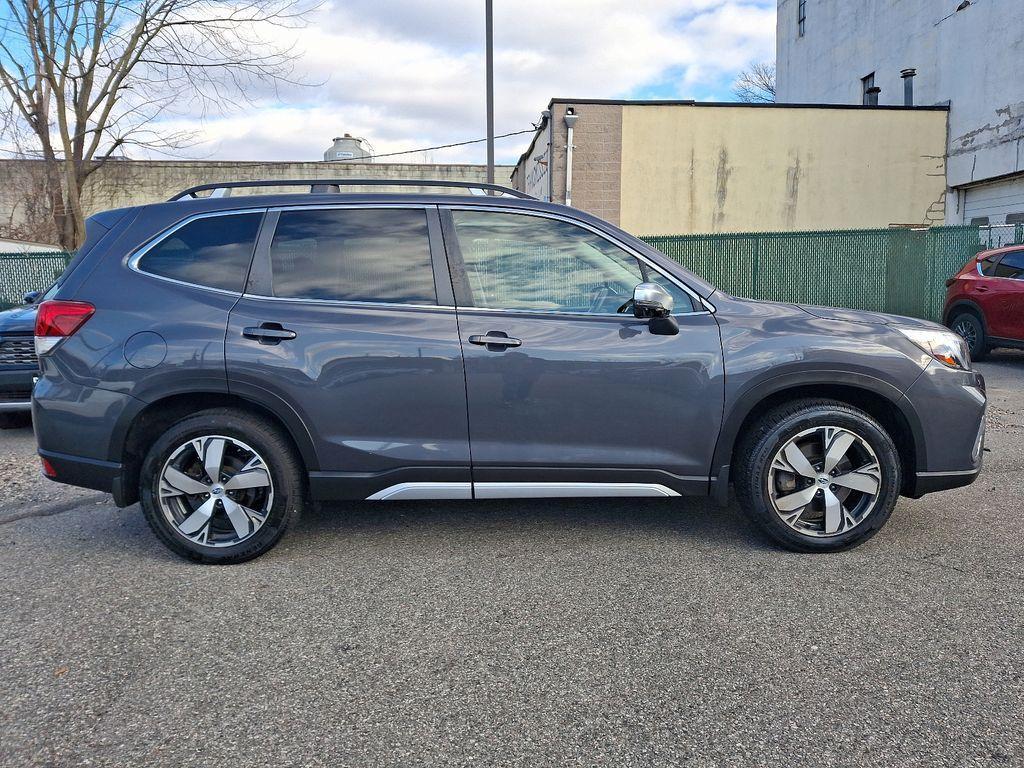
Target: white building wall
point(973, 59)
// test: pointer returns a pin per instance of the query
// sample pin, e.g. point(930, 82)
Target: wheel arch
point(965, 305)
point(880, 400)
point(141, 428)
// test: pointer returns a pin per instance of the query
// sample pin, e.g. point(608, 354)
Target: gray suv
point(230, 355)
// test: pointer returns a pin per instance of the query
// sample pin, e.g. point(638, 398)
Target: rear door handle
point(496, 341)
point(268, 333)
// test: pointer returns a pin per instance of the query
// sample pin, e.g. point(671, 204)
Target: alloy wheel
point(215, 491)
point(824, 481)
point(967, 332)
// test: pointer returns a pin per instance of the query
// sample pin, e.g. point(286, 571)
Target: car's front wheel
point(221, 486)
point(970, 328)
point(818, 475)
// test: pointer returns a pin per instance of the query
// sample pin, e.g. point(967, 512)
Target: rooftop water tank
point(349, 147)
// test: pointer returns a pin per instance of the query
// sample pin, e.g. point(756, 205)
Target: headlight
point(945, 346)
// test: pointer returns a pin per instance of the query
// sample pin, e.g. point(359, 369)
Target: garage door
point(998, 203)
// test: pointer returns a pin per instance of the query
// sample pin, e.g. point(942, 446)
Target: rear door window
point(213, 251)
point(355, 254)
point(1011, 265)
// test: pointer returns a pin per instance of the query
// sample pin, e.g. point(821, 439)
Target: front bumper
point(951, 406)
point(16, 389)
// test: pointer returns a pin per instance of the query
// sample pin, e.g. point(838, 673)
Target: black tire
point(970, 328)
point(16, 420)
point(282, 463)
point(773, 431)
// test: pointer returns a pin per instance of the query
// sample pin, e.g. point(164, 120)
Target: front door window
point(536, 264)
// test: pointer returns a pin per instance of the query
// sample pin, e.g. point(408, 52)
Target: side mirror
point(31, 297)
point(651, 300)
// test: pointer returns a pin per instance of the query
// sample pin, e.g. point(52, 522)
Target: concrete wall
point(734, 169)
point(136, 182)
point(973, 58)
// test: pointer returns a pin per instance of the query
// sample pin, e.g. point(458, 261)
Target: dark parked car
point(985, 301)
point(18, 364)
point(224, 359)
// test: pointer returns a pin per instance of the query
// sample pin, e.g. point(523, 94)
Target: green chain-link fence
point(902, 271)
point(21, 272)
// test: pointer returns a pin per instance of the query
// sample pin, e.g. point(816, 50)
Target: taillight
point(56, 320)
point(48, 469)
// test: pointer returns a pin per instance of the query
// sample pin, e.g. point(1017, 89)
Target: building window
point(870, 92)
point(1015, 218)
point(801, 17)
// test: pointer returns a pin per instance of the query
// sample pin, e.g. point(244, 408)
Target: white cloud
point(409, 73)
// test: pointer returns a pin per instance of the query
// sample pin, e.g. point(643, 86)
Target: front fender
point(799, 382)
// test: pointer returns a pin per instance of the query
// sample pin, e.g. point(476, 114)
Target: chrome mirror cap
point(651, 300)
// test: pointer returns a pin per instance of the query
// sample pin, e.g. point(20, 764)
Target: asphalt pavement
point(526, 633)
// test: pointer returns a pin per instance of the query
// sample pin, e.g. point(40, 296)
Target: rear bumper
point(85, 473)
point(70, 417)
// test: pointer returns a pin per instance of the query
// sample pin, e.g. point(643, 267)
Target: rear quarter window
point(213, 251)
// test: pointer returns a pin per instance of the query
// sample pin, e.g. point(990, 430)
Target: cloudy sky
point(407, 74)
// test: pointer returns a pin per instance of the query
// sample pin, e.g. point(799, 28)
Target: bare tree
point(86, 80)
point(756, 84)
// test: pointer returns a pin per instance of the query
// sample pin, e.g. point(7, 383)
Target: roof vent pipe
point(908, 86)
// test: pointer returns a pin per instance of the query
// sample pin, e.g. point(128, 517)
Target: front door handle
point(496, 341)
point(269, 333)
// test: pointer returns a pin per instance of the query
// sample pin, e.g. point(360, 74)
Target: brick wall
point(597, 158)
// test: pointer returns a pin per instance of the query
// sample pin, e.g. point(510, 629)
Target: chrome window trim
point(710, 308)
point(573, 315)
point(134, 258)
point(349, 303)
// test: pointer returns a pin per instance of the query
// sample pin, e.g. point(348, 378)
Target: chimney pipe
point(908, 86)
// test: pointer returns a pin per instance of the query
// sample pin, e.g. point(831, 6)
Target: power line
point(440, 146)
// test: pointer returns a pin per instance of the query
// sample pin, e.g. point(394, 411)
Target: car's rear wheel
point(221, 486)
point(818, 475)
point(970, 328)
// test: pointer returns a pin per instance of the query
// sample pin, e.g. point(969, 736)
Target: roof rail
point(320, 186)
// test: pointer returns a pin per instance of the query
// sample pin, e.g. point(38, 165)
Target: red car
point(985, 300)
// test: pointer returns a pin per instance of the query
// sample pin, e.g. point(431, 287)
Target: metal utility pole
point(489, 13)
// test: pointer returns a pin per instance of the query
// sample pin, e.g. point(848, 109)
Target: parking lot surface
point(533, 633)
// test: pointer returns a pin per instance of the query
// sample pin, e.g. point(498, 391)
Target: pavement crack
point(47, 510)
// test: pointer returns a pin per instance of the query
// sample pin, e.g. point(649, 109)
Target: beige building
point(658, 168)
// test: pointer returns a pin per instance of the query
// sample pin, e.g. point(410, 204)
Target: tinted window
point(531, 263)
point(1015, 218)
point(1011, 265)
point(214, 251)
point(353, 255)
